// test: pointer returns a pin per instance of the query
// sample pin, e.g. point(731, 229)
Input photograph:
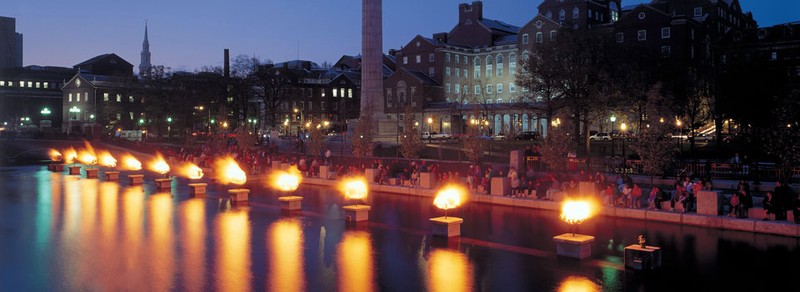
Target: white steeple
point(144, 66)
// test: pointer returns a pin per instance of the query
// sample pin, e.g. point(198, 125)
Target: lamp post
point(169, 127)
point(680, 136)
point(613, 119)
point(296, 111)
point(430, 130)
point(622, 128)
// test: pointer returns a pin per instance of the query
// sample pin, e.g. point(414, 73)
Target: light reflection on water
point(106, 236)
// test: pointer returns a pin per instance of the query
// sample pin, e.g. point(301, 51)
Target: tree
point(542, 76)
point(474, 143)
point(316, 142)
point(782, 139)
point(656, 149)
point(272, 86)
point(244, 138)
point(363, 135)
point(410, 140)
point(697, 109)
point(557, 146)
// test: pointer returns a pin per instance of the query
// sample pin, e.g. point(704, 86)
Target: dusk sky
point(188, 34)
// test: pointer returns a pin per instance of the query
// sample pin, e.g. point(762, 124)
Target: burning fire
point(70, 155)
point(87, 157)
point(130, 163)
point(286, 181)
point(159, 164)
point(449, 197)
point(55, 155)
point(575, 212)
point(107, 160)
point(191, 171)
point(229, 172)
point(354, 188)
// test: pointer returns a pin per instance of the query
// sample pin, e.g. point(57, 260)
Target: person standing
point(783, 201)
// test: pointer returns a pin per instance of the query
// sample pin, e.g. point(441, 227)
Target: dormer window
point(698, 11)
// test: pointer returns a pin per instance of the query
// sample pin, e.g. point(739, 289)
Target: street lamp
point(169, 127)
point(613, 119)
point(430, 129)
point(45, 111)
point(680, 136)
point(622, 128)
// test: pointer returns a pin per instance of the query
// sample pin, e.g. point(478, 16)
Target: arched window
point(562, 15)
point(477, 62)
point(549, 15)
point(500, 62)
point(512, 64)
point(489, 61)
point(576, 13)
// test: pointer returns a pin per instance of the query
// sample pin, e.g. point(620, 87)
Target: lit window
point(70, 97)
point(335, 93)
point(349, 93)
point(419, 59)
point(512, 87)
point(38, 85)
point(105, 96)
point(2, 83)
point(539, 37)
point(85, 97)
point(46, 85)
point(620, 37)
point(130, 98)
point(22, 84)
point(119, 98)
point(322, 92)
point(30, 84)
point(525, 39)
point(642, 35)
point(665, 32)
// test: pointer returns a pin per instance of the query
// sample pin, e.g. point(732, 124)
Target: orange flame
point(107, 160)
point(159, 164)
point(130, 163)
point(354, 188)
point(70, 155)
point(286, 181)
point(575, 212)
point(449, 197)
point(191, 171)
point(55, 155)
point(87, 157)
point(229, 172)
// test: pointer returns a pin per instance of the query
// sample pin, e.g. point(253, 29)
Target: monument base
point(356, 213)
point(163, 183)
point(290, 203)
point(642, 258)
point(112, 175)
point(74, 170)
point(92, 172)
point(197, 189)
point(136, 179)
point(239, 195)
point(56, 167)
point(571, 245)
point(446, 226)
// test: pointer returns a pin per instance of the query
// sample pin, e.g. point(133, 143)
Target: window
point(447, 87)
point(488, 88)
point(457, 72)
point(500, 65)
point(466, 73)
point(105, 96)
point(22, 84)
point(419, 59)
point(341, 92)
point(489, 101)
point(405, 60)
point(477, 89)
point(447, 71)
point(322, 105)
point(666, 50)
point(499, 87)
point(525, 39)
point(119, 98)
point(489, 61)
point(512, 64)
point(774, 56)
point(85, 97)
point(553, 35)
point(512, 87)
point(562, 15)
point(458, 89)
point(2, 83)
point(70, 97)
point(620, 37)
point(46, 85)
point(38, 84)
point(549, 14)
point(499, 100)
point(642, 15)
point(310, 105)
point(665, 32)
point(642, 35)
point(538, 37)
point(457, 58)
point(576, 13)
point(431, 57)
point(698, 11)
point(130, 99)
point(431, 71)
point(477, 62)
point(447, 58)
point(349, 93)
point(30, 84)
point(465, 89)
point(465, 60)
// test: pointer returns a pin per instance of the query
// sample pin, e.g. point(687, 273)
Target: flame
point(449, 197)
point(107, 160)
point(575, 212)
point(55, 155)
point(70, 155)
point(130, 163)
point(87, 157)
point(286, 181)
point(578, 284)
point(191, 171)
point(229, 172)
point(354, 188)
point(159, 164)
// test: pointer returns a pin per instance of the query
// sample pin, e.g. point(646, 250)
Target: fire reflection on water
point(193, 233)
point(355, 262)
point(450, 271)
point(160, 242)
point(578, 284)
point(285, 239)
point(233, 265)
point(132, 220)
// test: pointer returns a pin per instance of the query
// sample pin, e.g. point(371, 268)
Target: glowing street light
point(45, 111)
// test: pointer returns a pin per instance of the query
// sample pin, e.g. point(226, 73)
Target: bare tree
point(554, 154)
point(655, 148)
point(542, 77)
point(363, 135)
point(474, 143)
point(272, 86)
point(410, 140)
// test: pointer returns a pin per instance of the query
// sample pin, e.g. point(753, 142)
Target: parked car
point(435, 136)
point(527, 136)
point(705, 138)
point(499, 137)
point(600, 137)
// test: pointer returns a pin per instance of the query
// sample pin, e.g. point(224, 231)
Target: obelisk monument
point(372, 57)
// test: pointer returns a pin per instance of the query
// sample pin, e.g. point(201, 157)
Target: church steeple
point(144, 65)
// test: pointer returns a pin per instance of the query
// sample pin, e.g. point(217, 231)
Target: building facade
point(10, 43)
point(31, 96)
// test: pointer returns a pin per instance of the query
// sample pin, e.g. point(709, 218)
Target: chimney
point(441, 37)
point(227, 68)
point(467, 11)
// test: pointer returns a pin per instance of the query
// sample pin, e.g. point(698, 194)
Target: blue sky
point(188, 34)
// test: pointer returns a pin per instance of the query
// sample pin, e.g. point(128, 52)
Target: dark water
point(62, 233)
